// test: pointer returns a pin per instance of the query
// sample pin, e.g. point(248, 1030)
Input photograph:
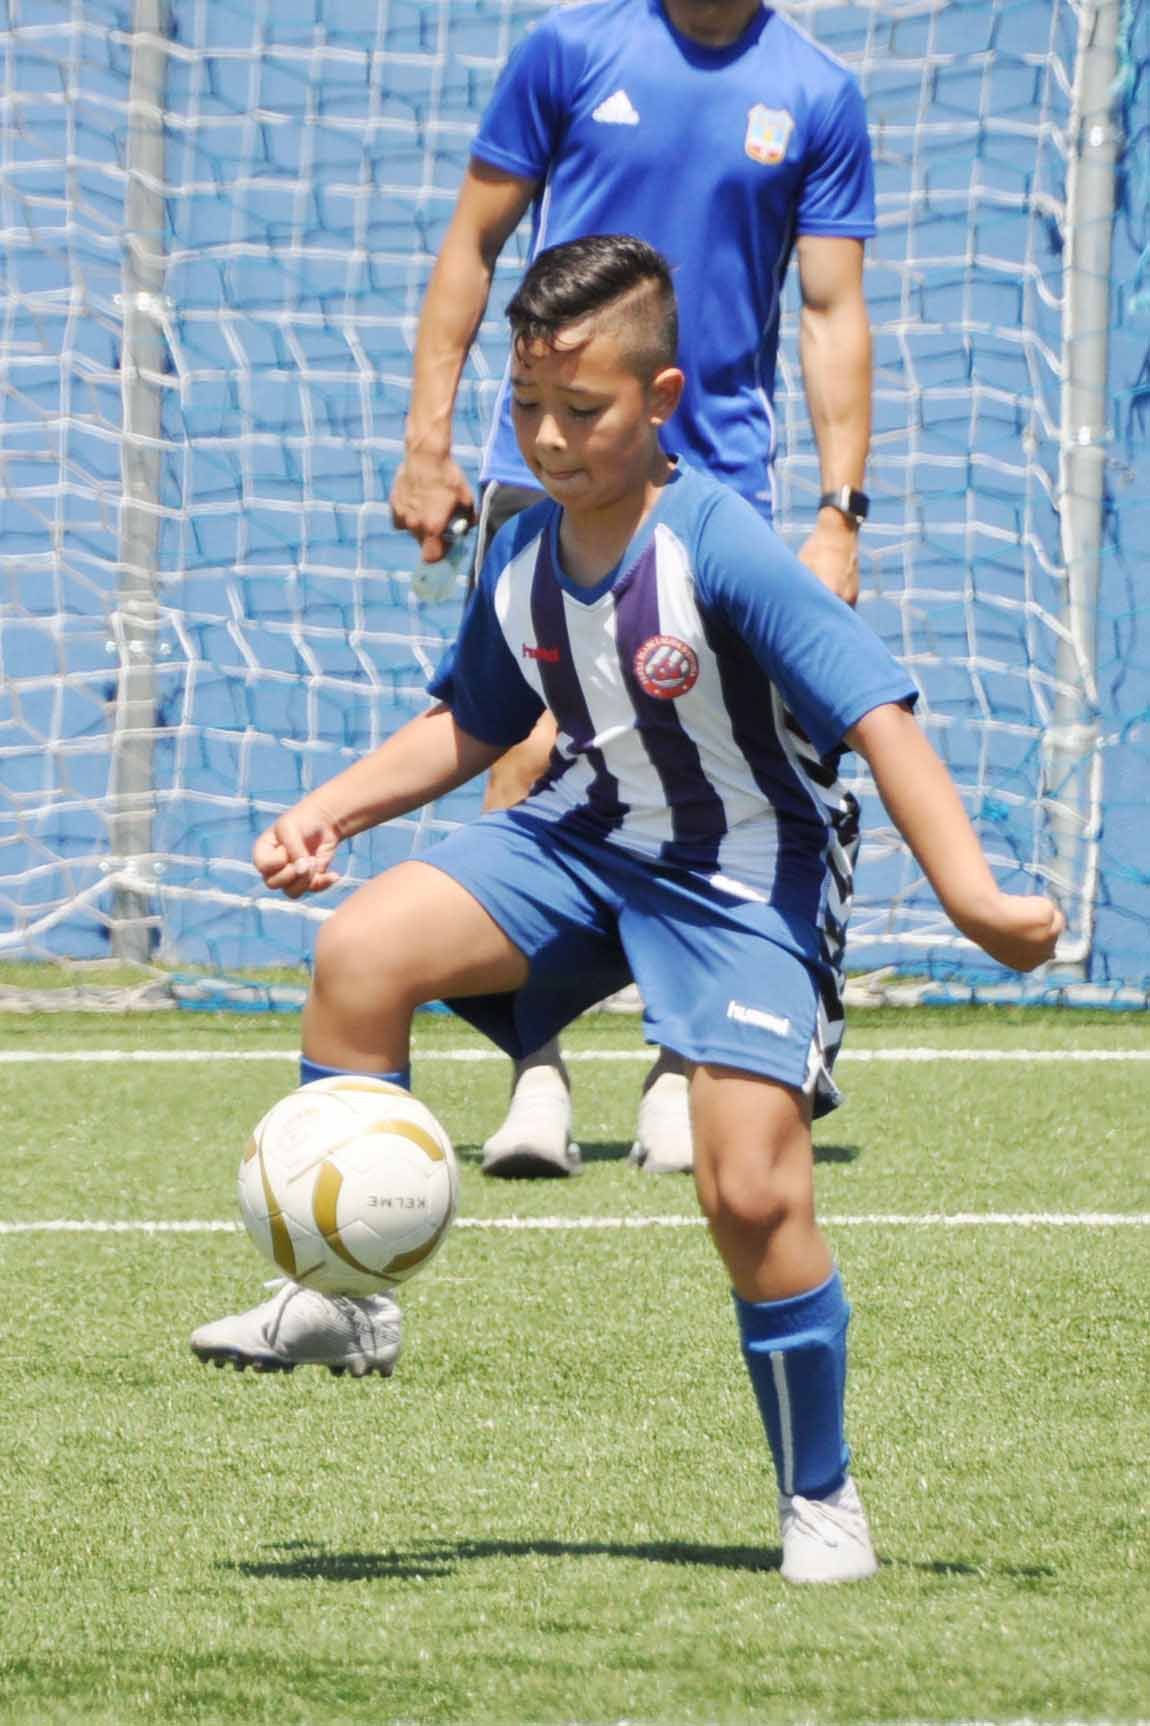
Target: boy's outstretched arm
point(424, 759)
point(1019, 930)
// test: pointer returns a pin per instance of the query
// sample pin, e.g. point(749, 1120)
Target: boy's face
point(587, 423)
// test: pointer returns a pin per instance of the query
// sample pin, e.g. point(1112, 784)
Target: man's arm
point(835, 352)
point(1019, 930)
point(429, 488)
point(424, 759)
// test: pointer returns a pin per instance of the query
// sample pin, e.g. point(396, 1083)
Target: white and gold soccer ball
point(348, 1185)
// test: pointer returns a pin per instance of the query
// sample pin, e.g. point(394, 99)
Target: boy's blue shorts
point(721, 980)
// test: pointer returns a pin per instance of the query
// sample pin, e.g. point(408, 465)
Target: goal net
point(218, 222)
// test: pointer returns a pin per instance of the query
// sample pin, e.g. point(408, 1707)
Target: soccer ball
point(348, 1185)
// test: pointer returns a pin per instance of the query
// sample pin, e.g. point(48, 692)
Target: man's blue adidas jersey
point(717, 157)
point(701, 690)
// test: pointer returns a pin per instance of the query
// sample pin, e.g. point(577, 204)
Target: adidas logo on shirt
point(616, 111)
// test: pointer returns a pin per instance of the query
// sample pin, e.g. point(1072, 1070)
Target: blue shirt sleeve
point(829, 666)
point(478, 677)
point(838, 191)
point(523, 124)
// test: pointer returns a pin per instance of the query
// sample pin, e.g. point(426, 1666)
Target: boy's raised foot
point(300, 1327)
point(826, 1539)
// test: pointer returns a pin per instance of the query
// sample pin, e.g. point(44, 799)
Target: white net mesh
point(292, 173)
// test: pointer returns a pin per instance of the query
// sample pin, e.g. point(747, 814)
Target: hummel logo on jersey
point(755, 1016)
point(549, 655)
point(616, 111)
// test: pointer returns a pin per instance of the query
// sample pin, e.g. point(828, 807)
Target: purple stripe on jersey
point(800, 824)
point(698, 819)
point(563, 693)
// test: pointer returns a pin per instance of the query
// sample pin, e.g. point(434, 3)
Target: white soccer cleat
point(534, 1141)
point(826, 1539)
point(663, 1144)
point(300, 1327)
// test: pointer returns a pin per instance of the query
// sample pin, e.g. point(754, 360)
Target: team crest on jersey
point(666, 667)
point(768, 134)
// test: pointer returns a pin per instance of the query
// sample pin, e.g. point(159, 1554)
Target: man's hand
point(832, 553)
point(294, 854)
point(1018, 929)
point(428, 491)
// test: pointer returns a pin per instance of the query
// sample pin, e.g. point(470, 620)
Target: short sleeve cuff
point(441, 684)
point(848, 228)
point(892, 695)
point(495, 157)
point(441, 688)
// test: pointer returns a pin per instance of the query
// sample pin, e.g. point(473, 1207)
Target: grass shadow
point(960, 1567)
point(606, 1151)
point(303, 1560)
point(618, 1151)
point(308, 1561)
point(837, 1153)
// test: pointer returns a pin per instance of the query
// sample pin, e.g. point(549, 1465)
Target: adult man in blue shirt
point(720, 133)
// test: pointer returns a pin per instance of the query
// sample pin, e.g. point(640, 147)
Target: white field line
point(141, 1057)
point(565, 1225)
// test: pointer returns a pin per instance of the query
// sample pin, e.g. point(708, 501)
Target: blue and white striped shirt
point(702, 690)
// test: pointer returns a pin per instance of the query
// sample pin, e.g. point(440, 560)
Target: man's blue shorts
point(723, 978)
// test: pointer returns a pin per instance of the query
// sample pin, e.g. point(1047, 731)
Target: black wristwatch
point(855, 505)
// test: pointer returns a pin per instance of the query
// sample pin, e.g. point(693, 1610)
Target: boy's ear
point(665, 393)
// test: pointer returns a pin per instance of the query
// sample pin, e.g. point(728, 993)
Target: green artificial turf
point(560, 1509)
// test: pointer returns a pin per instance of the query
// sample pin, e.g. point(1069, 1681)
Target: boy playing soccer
point(686, 831)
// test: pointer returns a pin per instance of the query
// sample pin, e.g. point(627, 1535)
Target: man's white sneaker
point(300, 1327)
point(826, 1539)
point(534, 1141)
point(663, 1143)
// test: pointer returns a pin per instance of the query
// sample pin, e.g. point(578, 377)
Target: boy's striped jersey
point(702, 690)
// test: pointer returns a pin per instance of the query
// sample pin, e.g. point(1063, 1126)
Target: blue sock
point(309, 1070)
point(796, 1354)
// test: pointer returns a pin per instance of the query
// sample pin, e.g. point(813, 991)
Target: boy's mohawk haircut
point(570, 283)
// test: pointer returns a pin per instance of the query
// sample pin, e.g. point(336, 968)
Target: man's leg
point(413, 935)
point(663, 1143)
point(535, 1137)
point(754, 1172)
point(534, 1140)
